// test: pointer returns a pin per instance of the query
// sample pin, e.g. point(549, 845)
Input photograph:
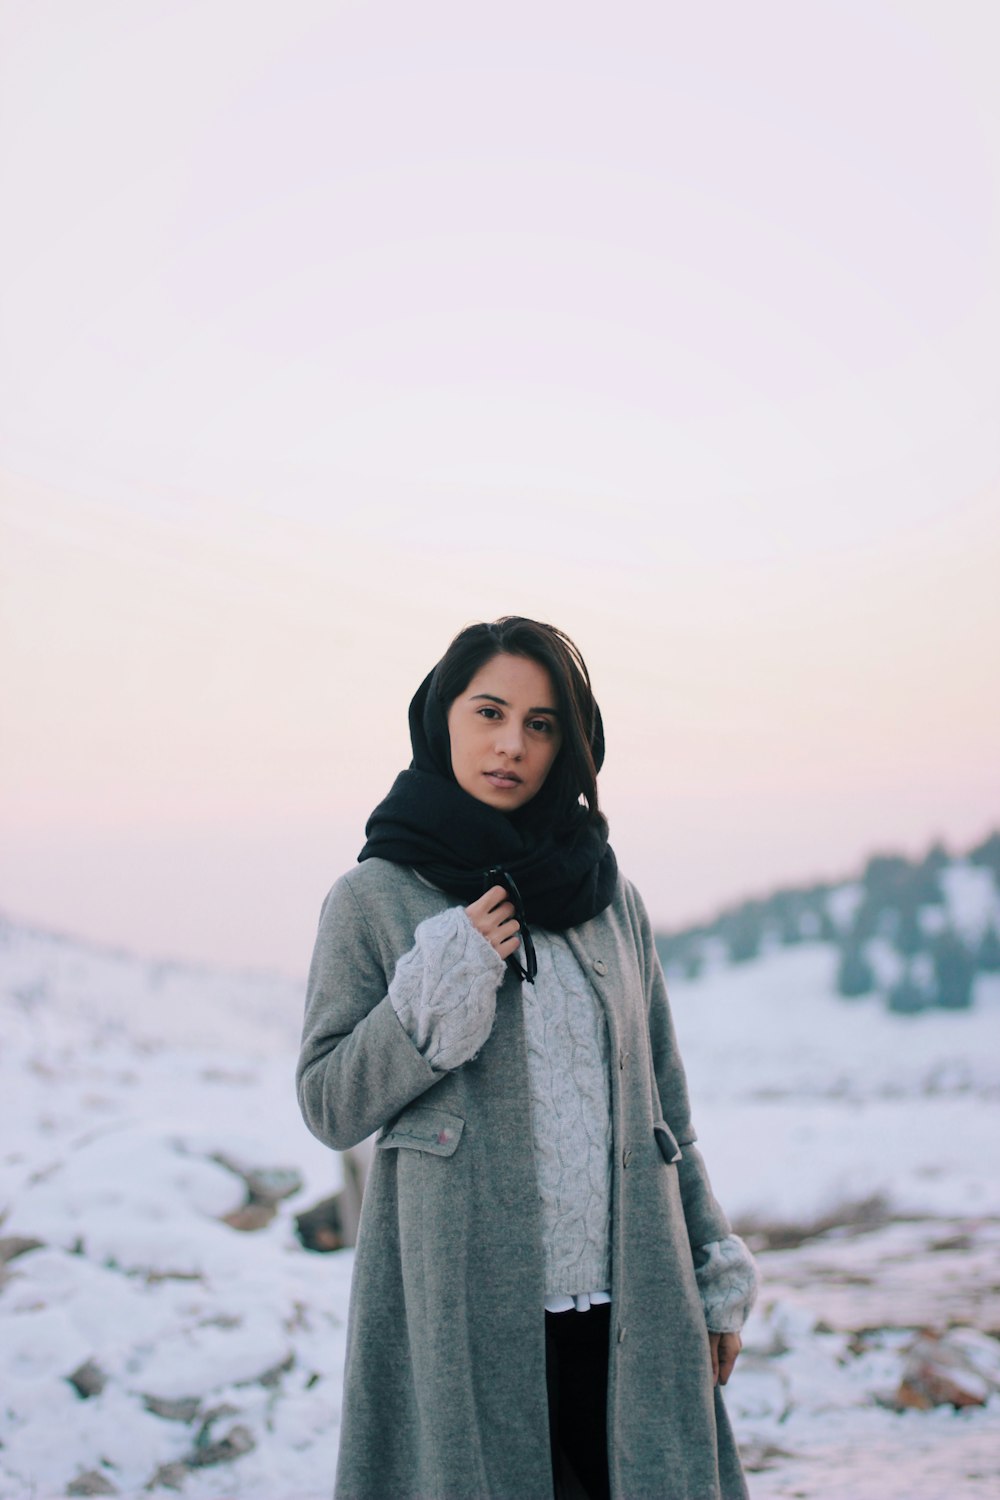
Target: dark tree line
point(901, 903)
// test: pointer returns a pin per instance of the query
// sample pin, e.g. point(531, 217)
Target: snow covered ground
point(137, 1098)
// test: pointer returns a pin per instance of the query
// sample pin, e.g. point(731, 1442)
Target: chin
point(504, 801)
point(505, 804)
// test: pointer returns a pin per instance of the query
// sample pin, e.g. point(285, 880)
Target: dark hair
point(574, 772)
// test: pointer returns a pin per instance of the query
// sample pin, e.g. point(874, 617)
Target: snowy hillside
point(920, 934)
point(149, 1345)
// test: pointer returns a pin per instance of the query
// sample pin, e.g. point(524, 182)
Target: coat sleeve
point(357, 1066)
point(706, 1221)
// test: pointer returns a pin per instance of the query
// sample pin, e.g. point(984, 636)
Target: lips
point(504, 780)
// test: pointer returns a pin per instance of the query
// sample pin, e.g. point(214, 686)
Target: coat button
point(623, 1058)
point(621, 1334)
point(600, 967)
point(626, 1156)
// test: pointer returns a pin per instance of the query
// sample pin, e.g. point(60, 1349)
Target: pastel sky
point(327, 328)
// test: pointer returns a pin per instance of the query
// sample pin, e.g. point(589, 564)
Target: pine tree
point(988, 952)
point(988, 853)
point(855, 975)
point(906, 997)
point(910, 937)
point(743, 931)
point(954, 971)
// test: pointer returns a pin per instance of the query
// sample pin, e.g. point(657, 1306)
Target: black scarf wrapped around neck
point(562, 863)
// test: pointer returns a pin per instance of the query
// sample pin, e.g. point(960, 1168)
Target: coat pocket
point(667, 1142)
point(423, 1129)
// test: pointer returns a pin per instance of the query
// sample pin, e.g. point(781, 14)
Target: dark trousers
point(576, 1369)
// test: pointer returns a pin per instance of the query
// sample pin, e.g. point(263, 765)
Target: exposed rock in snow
point(88, 1380)
point(93, 1482)
point(209, 1450)
point(936, 1373)
point(13, 1245)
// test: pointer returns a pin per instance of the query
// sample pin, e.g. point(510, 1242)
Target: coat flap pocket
point(424, 1130)
point(667, 1141)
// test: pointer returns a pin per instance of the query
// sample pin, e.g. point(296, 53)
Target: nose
point(510, 740)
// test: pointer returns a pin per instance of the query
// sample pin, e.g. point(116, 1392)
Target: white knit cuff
point(727, 1280)
point(444, 989)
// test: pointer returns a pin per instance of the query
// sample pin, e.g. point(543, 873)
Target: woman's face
point(505, 732)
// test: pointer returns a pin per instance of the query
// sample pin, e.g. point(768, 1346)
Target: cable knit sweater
point(444, 994)
point(568, 1062)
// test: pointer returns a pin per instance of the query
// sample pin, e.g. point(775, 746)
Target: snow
point(970, 898)
point(804, 1100)
point(135, 1096)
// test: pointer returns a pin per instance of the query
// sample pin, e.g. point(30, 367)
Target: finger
point(729, 1348)
point(486, 902)
point(489, 899)
point(503, 940)
point(484, 917)
point(501, 920)
point(713, 1344)
point(498, 927)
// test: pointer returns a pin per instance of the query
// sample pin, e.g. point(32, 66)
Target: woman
point(546, 1295)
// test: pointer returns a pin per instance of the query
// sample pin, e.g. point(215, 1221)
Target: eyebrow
point(492, 698)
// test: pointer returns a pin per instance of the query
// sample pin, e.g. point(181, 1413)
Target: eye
point(488, 711)
point(543, 726)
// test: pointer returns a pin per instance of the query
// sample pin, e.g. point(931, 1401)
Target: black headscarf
point(558, 855)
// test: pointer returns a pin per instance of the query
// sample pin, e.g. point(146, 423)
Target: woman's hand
point(493, 916)
point(725, 1347)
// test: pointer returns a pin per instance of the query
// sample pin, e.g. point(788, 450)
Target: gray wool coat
point(444, 1388)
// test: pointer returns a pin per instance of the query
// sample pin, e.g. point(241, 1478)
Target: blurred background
point(327, 329)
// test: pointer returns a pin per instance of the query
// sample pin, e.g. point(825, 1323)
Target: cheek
point(465, 756)
point(456, 740)
point(552, 756)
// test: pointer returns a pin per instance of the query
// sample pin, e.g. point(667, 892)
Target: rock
point(251, 1216)
point(180, 1409)
point(88, 1380)
point(979, 1351)
point(953, 1242)
point(154, 1277)
point(12, 1245)
point(925, 1387)
point(272, 1184)
point(322, 1227)
point(238, 1441)
point(332, 1224)
point(273, 1376)
point(938, 1373)
point(266, 1187)
point(91, 1483)
point(206, 1451)
point(169, 1477)
point(214, 1414)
